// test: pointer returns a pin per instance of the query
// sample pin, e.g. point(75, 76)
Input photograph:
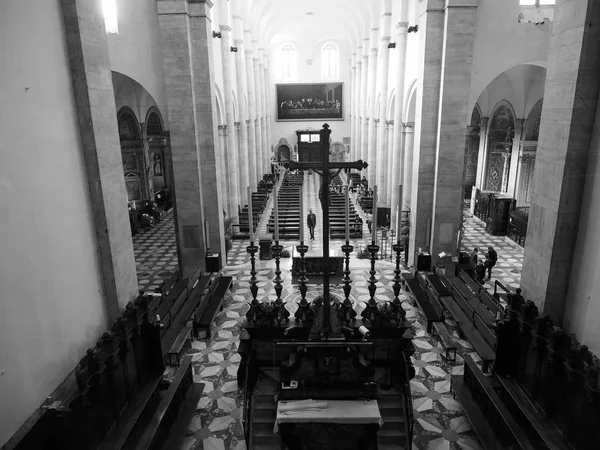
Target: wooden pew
point(214, 305)
point(447, 341)
point(491, 420)
point(431, 314)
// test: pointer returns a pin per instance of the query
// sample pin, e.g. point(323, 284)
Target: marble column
point(94, 100)
point(383, 70)
point(186, 41)
point(567, 123)
point(232, 155)
point(514, 158)
point(398, 164)
point(364, 138)
point(372, 147)
point(448, 195)
point(252, 138)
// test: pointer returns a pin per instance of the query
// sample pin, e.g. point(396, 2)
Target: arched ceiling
point(344, 21)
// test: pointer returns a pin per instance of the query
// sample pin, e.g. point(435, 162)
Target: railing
point(410, 420)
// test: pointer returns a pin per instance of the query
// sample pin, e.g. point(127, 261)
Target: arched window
point(109, 9)
point(330, 62)
point(289, 62)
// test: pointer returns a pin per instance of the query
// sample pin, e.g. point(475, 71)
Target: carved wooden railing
point(555, 371)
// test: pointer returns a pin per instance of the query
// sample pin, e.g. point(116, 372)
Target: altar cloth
point(337, 411)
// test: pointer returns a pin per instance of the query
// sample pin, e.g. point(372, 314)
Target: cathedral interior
point(299, 225)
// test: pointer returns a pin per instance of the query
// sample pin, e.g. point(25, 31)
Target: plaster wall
point(501, 42)
point(51, 300)
point(582, 313)
point(136, 52)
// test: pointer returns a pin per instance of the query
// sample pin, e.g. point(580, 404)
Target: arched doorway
point(502, 127)
point(158, 170)
point(283, 153)
point(472, 153)
point(132, 153)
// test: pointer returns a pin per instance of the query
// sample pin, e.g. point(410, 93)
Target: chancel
point(163, 286)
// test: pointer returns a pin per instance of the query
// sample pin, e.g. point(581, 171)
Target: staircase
point(264, 412)
point(394, 433)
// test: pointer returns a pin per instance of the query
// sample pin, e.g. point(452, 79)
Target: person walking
point(311, 221)
point(492, 258)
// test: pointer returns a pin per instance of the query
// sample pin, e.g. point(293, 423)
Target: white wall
point(582, 314)
point(51, 300)
point(501, 42)
point(136, 50)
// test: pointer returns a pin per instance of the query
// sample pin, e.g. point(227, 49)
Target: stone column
point(186, 41)
point(398, 150)
point(260, 147)
point(514, 158)
point(357, 106)
point(390, 177)
point(481, 159)
point(383, 153)
point(364, 138)
point(570, 108)
point(263, 100)
point(270, 103)
point(352, 103)
point(431, 37)
point(232, 155)
point(253, 143)
point(221, 149)
point(97, 120)
point(459, 36)
point(244, 165)
point(372, 147)
point(408, 140)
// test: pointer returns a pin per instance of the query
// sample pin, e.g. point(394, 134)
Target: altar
point(313, 261)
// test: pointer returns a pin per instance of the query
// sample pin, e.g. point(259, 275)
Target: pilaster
point(97, 120)
point(567, 123)
point(514, 158)
point(364, 138)
point(186, 42)
point(372, 147)
point(253, 143)
point(383, 70)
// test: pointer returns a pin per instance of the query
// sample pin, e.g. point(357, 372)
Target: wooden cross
point(324, 166)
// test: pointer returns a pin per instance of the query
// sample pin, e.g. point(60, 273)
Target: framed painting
point(314, 101)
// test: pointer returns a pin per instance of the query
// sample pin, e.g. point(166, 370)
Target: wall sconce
point(413, 29)
point(392, 45)
point(217, 34)
point(233, 49)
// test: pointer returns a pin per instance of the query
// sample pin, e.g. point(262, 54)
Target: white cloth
point(334, 411)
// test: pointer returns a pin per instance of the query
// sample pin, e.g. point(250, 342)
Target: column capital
point(222, 127)
point(461, 3)
point(375, 29)
point(238, 42)
point(387, 13)
point(402, 26)
point(374, 50)
point(385, 38)
point(226, 28)
point(236, 17)
point(248, 52)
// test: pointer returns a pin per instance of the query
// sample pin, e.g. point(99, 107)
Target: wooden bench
point(173, 357)
point(467, 328)
point(500, 428)
point(528, 416)
point(447, 340)
point(177, 403)
point(213, 306)
point(431, 314)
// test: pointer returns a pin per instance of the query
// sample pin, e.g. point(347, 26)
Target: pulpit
point(499, 214)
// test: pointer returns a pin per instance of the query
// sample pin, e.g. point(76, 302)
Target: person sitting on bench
point(480, 272)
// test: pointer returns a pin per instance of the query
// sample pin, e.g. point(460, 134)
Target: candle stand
point(398, 312)
point(254, 314)
point(280, 313)
point(303, 313)
point(346, 312)
point(371, 312)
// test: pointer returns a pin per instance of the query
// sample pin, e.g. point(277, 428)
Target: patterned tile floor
point(216, 425)
point(155, 252)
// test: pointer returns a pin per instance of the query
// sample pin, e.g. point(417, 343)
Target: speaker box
point(213, 262)
point(383, 216)
point(423, 262)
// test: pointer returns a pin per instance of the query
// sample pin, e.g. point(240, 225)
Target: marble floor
point(216, 424)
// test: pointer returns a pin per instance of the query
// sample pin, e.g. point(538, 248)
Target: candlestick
point(301, 215)
point(347, 214)
point(276, 212)
point(397, 310)
point(250, 220)
point(374, 224)
point(399, 220)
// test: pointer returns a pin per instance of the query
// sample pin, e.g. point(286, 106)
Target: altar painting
point(316, 101)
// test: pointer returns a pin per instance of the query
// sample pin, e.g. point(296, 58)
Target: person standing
point(492, 258)
point(473, 258)
point(311, 221)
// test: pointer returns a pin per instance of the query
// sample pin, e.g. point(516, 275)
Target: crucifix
point(322, 168)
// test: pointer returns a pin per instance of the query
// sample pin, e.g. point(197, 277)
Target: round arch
point(408, 102)
point(129, 126)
